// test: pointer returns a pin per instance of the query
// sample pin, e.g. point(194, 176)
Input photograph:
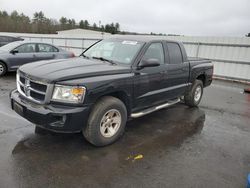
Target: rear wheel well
point(202, 78)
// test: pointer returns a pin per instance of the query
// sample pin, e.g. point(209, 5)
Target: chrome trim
point(49, 93)
point(165, 89)
point(153, 109)
point(27, 88)
point(29, 97)
point(20, 83)
point(37, 91)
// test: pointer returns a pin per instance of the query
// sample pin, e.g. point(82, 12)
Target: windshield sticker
point(129, 42)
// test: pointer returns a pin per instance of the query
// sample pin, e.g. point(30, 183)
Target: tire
point(41, 131)
point(193, 97)
point(106, 122)
point(3, 69)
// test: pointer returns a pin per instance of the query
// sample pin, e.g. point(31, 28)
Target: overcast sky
point(184, 17)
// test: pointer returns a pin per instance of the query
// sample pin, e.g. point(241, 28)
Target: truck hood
point(68, 69)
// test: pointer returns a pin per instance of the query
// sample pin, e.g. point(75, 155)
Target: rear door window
point(174, 52)
point(46, 48)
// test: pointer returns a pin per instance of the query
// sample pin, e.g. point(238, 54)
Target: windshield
point(10, 46)
point(121, 51)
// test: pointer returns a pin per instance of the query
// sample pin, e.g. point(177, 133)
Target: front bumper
point(57, 118)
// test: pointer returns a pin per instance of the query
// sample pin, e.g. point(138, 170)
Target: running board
point(155, 108)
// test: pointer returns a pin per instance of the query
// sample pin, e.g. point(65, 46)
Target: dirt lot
point(180, 147)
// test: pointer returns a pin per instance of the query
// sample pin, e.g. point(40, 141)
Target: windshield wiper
point(84, 56)
point(104, 59)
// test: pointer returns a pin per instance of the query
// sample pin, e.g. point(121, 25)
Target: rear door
point(148, 83)
point(45, 52)
point(25, 54)
point(177, 71)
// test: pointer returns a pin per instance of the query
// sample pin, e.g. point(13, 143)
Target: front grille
point(37, 96)
point(39, 87)
point(22, 80)
point(31, 89)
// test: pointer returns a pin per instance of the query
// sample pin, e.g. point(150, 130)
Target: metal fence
point(231, 58)
point(76, 45)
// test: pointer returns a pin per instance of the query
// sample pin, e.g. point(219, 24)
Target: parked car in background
point(15, 54)
point(8, 39)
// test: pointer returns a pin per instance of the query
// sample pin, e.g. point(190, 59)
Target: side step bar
point(155, 108)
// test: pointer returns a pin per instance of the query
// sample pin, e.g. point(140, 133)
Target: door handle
point(34, 55)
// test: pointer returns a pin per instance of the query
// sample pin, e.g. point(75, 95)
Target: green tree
point(102, 28)
point(111, 28)
point(24, 23)
point(39, 22)
point(38, 17)
point(81, 24)
point(19, 22)
point(86, 24)
point(95, 26)
point(63, 22)
point(117, 27)
point(13, 21)
point(4, 14)
point(5, 21)
point(73, 23)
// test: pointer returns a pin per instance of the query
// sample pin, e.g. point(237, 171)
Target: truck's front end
point(51, 106)
point(88, 93)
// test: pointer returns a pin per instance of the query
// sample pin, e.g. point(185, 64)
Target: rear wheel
point(106, 122)
point(193, 97)
point(3, 69)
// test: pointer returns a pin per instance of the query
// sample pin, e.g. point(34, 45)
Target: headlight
point(70, 94)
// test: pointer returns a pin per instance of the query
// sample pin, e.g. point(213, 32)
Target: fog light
point(59, 121)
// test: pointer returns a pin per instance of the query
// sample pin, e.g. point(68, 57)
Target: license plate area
point(18, 108)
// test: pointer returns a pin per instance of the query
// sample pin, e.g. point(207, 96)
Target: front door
point(24, 54)
point(148, 81)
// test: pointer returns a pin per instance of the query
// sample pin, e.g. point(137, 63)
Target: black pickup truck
point(112, 81)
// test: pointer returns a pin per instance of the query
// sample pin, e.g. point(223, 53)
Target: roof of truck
point(143, 38)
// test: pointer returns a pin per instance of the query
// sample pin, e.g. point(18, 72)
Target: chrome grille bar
point(33, 94)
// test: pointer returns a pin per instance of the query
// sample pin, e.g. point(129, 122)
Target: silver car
point(8, 39)
point(16, 54)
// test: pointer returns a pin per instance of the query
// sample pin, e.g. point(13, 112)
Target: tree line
point(39, 23)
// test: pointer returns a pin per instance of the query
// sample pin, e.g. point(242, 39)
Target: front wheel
point(106, 122)
point(193, 97)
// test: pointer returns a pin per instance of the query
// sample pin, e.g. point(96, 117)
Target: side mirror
point(14, 51)
point(149, 63)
